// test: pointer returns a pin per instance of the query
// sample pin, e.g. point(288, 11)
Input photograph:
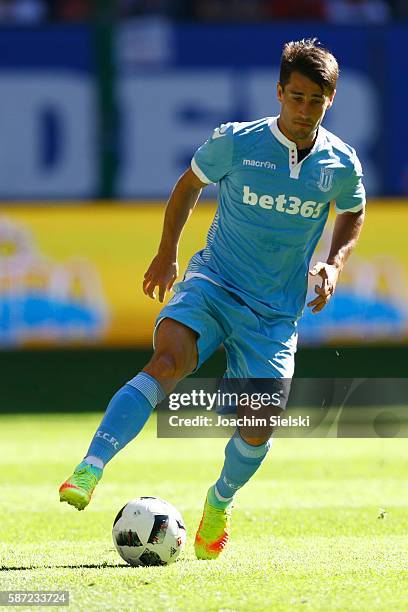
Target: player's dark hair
point(312, 60)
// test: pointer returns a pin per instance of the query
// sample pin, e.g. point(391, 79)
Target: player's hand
point(161, 273)
point(330, 275)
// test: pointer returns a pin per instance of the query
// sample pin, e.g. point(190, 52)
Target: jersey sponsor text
point(291, 205)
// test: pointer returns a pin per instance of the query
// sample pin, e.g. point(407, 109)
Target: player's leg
point(175, 356)
point(186, 334)
point(252, 440)
point(244, 454)
point(266, 357)
point(257, 351)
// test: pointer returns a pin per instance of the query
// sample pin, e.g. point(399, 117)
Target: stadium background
point(102, 107)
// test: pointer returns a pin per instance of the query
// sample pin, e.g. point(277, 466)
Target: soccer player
point(247, 287)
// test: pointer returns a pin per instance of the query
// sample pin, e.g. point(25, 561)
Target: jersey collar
point(294, 165)
point(273, 126)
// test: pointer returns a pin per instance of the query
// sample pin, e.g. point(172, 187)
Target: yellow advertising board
point(72, 274)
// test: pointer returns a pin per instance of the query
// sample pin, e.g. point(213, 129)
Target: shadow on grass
point(6, 568)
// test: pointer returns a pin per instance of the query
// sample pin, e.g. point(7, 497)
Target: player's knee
point(162, 365)
point(168, 365)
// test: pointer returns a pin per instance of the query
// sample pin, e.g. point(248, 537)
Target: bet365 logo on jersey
point(291, 205)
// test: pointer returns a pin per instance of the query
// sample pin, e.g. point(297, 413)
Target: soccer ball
point(149, 531)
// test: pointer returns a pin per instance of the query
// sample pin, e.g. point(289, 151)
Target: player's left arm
point(346, 232)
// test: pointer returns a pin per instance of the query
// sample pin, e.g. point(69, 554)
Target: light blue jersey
point(271, 210)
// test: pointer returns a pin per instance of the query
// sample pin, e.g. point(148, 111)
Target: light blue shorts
point(256, 346)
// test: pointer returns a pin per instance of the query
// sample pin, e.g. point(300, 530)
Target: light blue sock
point(241, 462)
point(125, 416)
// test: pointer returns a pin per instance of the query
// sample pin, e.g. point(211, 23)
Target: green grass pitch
point(307, 532)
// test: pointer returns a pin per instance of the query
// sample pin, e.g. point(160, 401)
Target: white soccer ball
point(149, 531)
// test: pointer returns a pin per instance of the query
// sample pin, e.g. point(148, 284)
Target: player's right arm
point(163, 270)
point(211, 162)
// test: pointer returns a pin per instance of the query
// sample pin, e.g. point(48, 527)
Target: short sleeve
point(352, 197)
point(213, 160)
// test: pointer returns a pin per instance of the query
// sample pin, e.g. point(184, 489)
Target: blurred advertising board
point(174, 84)
point(48, 113)
point(72, 275)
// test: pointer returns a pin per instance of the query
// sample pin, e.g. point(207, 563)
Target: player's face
point(303, 105)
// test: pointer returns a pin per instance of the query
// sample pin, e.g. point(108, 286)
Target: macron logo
point(259, 164)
